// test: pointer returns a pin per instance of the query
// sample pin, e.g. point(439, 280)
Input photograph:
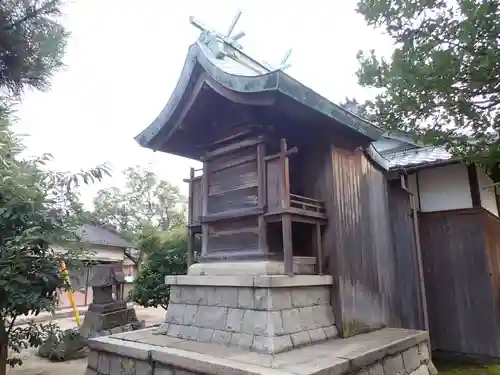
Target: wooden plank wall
point(492, 242)
point(232, 181)
point(232, 186)
point(463, 316)
point(365, 263)
point(403, 235)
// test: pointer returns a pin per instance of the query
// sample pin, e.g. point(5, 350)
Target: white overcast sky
point(124, 58)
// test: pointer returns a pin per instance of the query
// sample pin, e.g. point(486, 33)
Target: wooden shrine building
point(295, 185)
point(285, 177)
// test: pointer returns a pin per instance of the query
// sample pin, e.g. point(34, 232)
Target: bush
point(165, 254)
point(62, 346)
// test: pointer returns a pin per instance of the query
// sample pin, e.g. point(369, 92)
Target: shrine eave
point(199, 63)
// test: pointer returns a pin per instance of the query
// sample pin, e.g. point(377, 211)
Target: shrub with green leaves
point(165, 254)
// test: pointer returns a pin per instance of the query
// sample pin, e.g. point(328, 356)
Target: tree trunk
point(4, 348)
point(4, 352)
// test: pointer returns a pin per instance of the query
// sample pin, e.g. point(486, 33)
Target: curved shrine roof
point(235, 71)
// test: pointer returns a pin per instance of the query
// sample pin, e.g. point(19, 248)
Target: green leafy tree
point(32, 43)
point(166, 254)
point(145, 202)
point(442, 82)
point(34, 217)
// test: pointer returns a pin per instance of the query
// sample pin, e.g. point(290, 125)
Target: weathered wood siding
point(232, 187)
point(403, 235)
point(365, 263)
point(357, 242)
point(460, 255)
point(232, 181)
point(235, 235)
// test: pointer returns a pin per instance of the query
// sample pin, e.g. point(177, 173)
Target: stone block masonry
point(383, 352)
point(264, 318)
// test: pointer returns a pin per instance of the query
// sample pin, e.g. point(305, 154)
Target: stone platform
point(266, 313)
point(384, 352)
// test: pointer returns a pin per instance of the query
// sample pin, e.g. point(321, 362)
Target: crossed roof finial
point(233, 41)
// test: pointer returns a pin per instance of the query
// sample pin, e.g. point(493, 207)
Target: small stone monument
point(107, 314)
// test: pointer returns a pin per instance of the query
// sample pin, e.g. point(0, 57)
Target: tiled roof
point(101, 236)
point(416, 156)
point(401, 151)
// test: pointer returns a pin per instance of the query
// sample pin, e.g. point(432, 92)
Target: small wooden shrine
point(262, 138)
point(245, 206)
point(288, 185)
point(295, 234)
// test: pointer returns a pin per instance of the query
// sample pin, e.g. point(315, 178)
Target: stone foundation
point(266, 314)
point(300, 265)
point(383, 352)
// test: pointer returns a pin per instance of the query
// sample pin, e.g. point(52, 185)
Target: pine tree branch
point(30, 14)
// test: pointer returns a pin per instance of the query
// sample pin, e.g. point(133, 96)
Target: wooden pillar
point(204, 210)
point(190, 219)
point(262, 196)
point(190, 196)
point(285, 185)
point(190, 247)
point(319, 248)
point(86, 284)
point(286, 222)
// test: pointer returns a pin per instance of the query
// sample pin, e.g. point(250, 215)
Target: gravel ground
point(33, 365)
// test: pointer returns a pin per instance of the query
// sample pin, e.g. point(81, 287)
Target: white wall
point(488, 200)
point(444, 188)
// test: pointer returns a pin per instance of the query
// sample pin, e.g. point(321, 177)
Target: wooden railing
point(306, 204)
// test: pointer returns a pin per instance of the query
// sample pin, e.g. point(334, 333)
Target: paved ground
point(34, 365)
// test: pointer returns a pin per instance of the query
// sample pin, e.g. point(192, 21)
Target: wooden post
point(190, 247)
point(262, 196)
point(204, 210)
point(87, 284)
point(190, 197)
point(190, 218)
point(286, 222)
point(319, 248)
point(285, 185)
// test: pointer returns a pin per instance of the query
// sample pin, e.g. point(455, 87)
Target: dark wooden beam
point(204, 209)
point(474, 185)
point(286, 222)
point(291, 151)
point(232, 214)
point(262, 196)
point(190, 219)
point(319, 248)
point(234, 147)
